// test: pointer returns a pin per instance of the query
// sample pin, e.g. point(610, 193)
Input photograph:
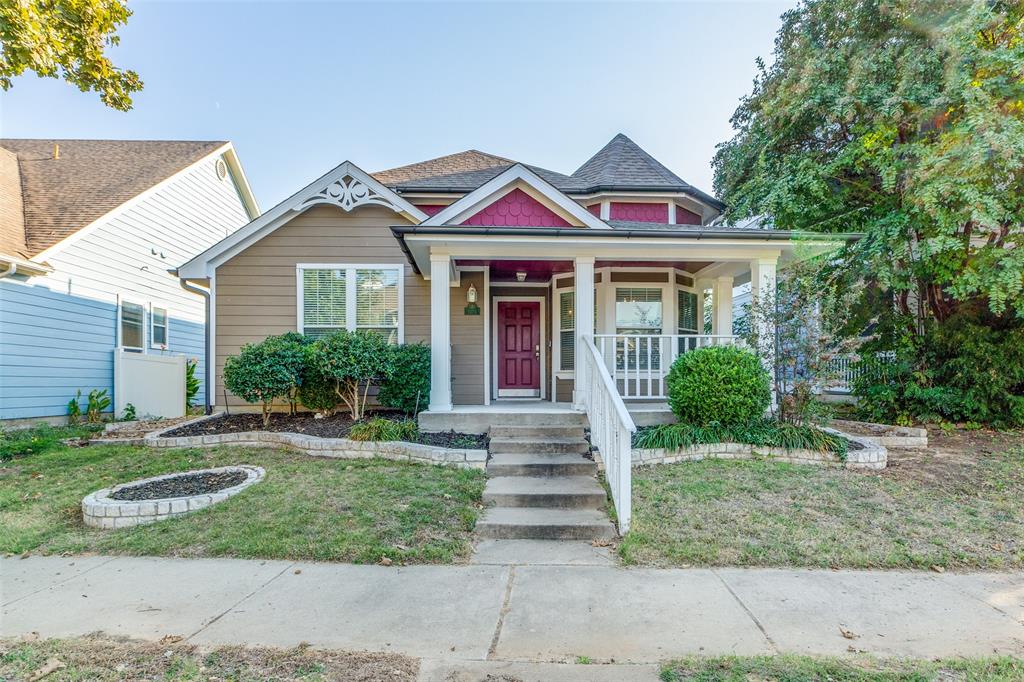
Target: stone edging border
point(870, 455)
point(99, 510)
point(888, 435)
point(340, 448)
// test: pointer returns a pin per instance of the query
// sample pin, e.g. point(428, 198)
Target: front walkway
point(517, 612)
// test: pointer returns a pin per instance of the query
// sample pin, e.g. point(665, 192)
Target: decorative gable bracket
point(347, 193)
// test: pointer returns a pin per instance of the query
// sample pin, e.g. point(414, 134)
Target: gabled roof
point(345, 186)
point(452, 164)
point(65, 192)
point(623, 165)
point(12, 212)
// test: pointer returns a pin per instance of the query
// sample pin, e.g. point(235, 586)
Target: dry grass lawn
point(954, 505)
point(106, 659)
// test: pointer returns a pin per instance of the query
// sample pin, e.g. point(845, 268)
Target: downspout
point(11, 269)
point(206, 338)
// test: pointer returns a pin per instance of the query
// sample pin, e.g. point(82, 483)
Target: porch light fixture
point(521, 275)
point(471, 308)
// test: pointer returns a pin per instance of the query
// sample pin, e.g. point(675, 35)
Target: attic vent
point(222, 169)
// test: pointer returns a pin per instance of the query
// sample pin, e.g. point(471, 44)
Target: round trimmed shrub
point(723, 384)
point(408, 387)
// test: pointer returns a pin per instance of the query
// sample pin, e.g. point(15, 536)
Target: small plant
point(763, 432)
point(191, 383)
point(75, 409)
point(128, 414)
point(381, 429)
point(265, 371)
point(584, 660)
point(725, 384)
point(353, 361)
point(408, 388)
point(96, 404)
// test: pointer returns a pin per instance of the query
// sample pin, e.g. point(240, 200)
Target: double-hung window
point(132, 326)
point(158, 327)
point(638, 313)
point(567, 331)
point(334, 297)
point(686, 319)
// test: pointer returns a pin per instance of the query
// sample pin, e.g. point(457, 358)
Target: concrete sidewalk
point(464, 615)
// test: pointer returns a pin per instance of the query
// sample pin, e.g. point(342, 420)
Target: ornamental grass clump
point(722, 384)
point(381, 429)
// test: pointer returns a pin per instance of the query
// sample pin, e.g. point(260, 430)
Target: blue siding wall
point(53, 344)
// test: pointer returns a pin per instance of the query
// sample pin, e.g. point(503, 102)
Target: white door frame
point(494, 345)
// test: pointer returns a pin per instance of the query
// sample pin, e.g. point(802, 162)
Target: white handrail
point(611, 429)
point(639, 363)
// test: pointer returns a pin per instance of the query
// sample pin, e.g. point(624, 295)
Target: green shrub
point(265, 371)
point(96, 404)
point(968, 369)
point(723, 384)
point(381, 429)
point(763, 432)
point(317, 392)
point(408, 388)
point(352, 361)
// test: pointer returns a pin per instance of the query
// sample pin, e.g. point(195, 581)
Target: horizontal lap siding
point(467, 335)
point(256, 295)
point(58, 332)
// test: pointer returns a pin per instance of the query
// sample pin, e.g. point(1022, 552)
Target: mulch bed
point(181, 486)
point(336, 426)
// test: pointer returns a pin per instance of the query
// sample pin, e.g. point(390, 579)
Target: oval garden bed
point(162, 497)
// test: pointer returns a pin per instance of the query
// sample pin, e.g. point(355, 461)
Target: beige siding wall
point(467, 336)
point(255, 290)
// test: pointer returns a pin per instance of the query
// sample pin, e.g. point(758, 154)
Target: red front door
point(519, 348)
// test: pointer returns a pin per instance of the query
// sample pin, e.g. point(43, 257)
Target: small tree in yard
point(806, 314)
point(353, 361)
point(265, 371)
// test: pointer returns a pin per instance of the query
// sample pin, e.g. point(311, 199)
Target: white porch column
point(702, 286)
point(723, 306)
point(762, 290)
point(440, 334)
point(584, 317)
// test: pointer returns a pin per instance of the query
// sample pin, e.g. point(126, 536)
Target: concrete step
point(544, 524)
point(536, 432)
point(539, 446)
point(540, 465)
point(562, 492)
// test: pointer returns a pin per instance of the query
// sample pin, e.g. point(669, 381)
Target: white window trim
point(120, 334)
point(167, 327)
point(350, 291)
point(556, 322)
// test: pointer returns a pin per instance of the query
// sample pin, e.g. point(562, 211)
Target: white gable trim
point(347, 186)
point(491, 190)
point(241, 184)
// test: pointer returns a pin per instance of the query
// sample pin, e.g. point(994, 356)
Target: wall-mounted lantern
point(471, 308)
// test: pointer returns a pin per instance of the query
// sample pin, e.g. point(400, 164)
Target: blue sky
point(300, 87)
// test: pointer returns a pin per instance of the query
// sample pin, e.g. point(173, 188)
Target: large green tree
point(66, 39)
point(902, 119)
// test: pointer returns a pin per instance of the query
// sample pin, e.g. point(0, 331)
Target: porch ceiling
point(542, 270)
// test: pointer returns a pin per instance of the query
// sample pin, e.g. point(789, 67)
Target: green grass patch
point(42, 438)
point(789, 668)
point(766, 513)
point(763, 432)
point(306, 508)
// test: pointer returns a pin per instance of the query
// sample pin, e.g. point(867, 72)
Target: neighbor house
point(481, 257)
point(89, 230)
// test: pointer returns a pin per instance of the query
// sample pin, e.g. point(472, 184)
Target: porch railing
point(639, 363)
point(611, 429)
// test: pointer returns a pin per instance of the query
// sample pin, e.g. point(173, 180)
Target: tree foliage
point(265, 371)
point(67, 39)
point(902, 119)
point(353, 361)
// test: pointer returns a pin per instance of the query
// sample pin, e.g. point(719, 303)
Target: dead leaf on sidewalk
point(52, 665)
point(938, 569)
point(384, 561)
point(297, 571)
point(600, 543)
point(171, 639)
point(854, 650)
point(848, 634)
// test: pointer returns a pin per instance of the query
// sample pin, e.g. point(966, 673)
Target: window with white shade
point(638, 312)
point(334, 297)
point(567, 331)
point(132, 326)
point(158, 327)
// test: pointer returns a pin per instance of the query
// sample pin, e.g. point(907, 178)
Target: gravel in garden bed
point(181, 486)
point(336, 426)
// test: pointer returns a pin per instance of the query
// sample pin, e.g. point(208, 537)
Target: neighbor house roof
point(66, 190)
point(620, 165)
